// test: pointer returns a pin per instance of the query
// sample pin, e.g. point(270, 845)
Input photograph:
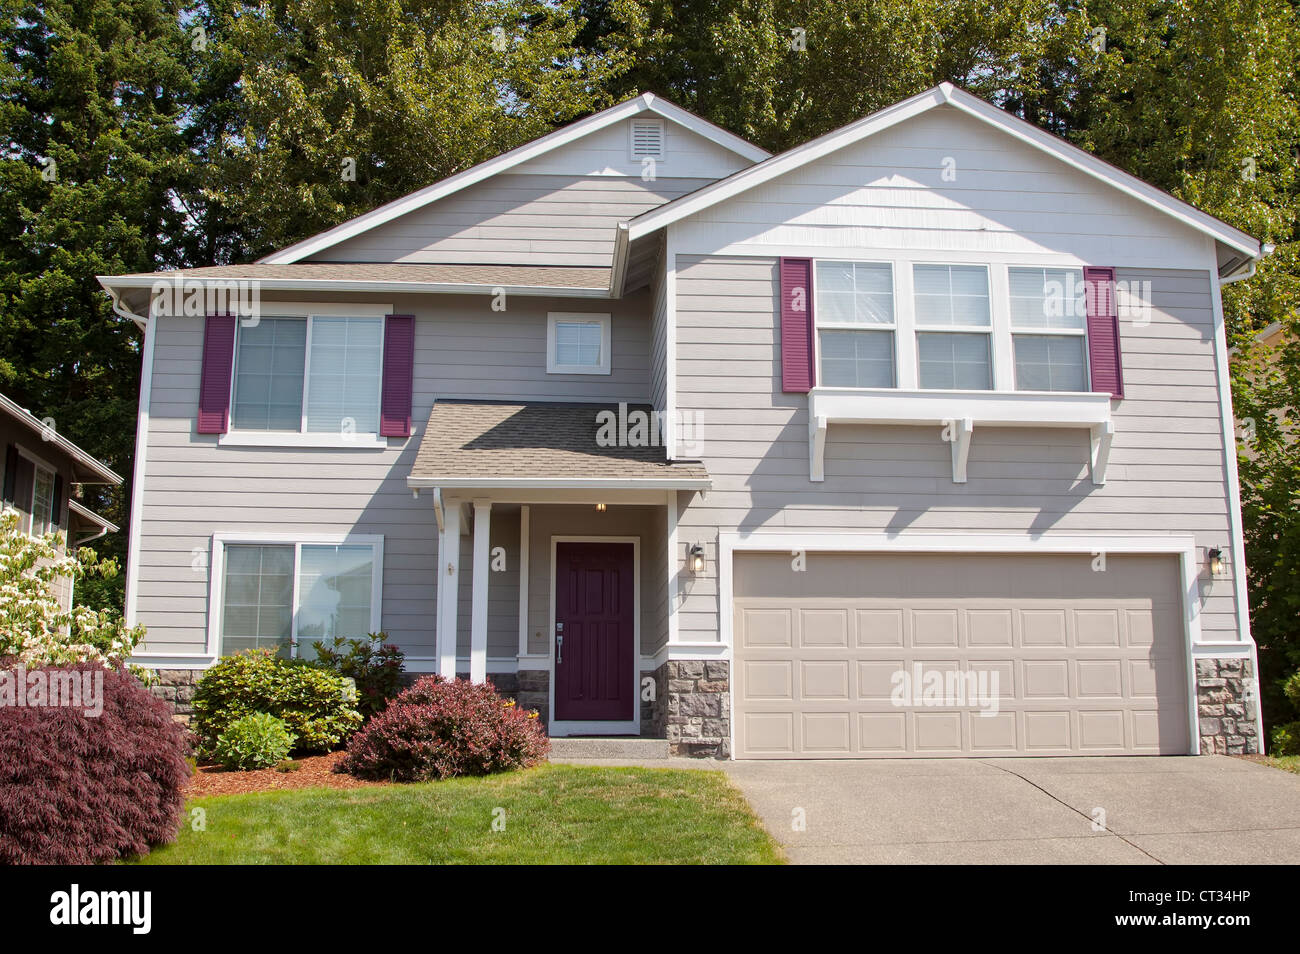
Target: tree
point(334, 107)
point(35, 630)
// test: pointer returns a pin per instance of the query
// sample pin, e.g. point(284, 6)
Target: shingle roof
point(543, 276)
point(495, 441)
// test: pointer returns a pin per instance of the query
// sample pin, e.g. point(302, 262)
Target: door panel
point(595, 599)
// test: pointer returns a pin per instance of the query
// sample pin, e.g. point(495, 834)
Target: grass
point(1288, 763)
point(553, 814)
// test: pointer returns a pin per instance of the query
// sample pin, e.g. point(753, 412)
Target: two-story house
point(914, 440)
point(42, 472)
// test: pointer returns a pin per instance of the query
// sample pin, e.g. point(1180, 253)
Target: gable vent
point(647, 139)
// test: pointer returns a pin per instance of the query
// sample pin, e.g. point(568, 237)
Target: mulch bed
point(315, 772)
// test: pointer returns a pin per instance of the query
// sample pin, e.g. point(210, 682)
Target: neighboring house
point(943, 394)
point(42, 476)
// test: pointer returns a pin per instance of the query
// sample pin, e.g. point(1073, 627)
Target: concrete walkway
point(1202, 810)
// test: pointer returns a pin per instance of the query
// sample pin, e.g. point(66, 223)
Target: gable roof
point(645, 103)
point(97, 473)
point(943, 94)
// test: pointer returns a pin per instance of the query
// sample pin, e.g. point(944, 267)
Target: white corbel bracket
point(962, 430)
point(1102, 436)
point(816, 448)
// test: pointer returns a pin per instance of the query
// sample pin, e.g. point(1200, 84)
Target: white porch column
point(479, 604)
point(448, 587)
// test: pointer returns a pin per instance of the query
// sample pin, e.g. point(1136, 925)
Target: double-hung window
point(42, 501)
point(953, 327)
point(318, 374)
point(856, 324)
point(1048, 329)
point(290, 596)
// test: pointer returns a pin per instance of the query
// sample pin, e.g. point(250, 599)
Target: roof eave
point(112, 282)
point(105, 474)
point(561, 483)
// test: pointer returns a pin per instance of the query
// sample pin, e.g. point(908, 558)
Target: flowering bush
point(79, 788)
point(374, 665)
point(34, 628)
point(317, 706)
point(256, 741)
point(439, 729)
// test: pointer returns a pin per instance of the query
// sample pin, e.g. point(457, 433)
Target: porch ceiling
point(486, 444)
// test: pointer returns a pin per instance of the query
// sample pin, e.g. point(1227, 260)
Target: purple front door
point(594, 631)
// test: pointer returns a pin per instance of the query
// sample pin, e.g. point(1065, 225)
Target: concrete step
point(608, 747)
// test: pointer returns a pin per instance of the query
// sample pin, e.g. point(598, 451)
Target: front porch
point(557, 565)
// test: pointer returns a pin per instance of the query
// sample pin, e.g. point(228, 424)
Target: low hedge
point(317, 706)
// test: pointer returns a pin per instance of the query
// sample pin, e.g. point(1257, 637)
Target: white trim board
point(971, 105)
point(647, 102)
point(132, 583)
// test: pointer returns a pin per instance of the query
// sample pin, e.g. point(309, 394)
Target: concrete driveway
point(1194, 810)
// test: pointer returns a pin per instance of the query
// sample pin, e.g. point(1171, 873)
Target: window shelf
point(957, 413)
point(291, 439)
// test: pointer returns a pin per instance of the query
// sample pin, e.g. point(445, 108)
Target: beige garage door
point(916, 655)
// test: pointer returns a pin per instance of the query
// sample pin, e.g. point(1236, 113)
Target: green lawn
point(554, 814)
point(1288, 763)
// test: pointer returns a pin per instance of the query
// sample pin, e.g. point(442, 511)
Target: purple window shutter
point(214, 380)
point(399, 369)
point(1103, 331)
point(797, 372)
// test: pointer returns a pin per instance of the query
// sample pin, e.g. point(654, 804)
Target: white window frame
point(893, 328)
point(554, 318)
point(988, 331)
point(217, 575)
point(1080, 332)
point(39, 463)
point(631, 139)
point(302, 437)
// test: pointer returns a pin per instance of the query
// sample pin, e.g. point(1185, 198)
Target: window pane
point(1049, 363)
point(578, 344)
point(334, 588)
point(951, 295)
point(343, 385)
point(857, 359)
point(268, 375)
point(1047, 298)
point(257, 598)
point(954, 361)
point(42, 502)
point(855, 292)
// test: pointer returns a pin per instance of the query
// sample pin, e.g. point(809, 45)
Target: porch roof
point(545, 444)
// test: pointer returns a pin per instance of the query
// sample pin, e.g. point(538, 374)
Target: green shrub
point(372, 663)
point(317, 706)
point(256, 741)
point(1285, 739)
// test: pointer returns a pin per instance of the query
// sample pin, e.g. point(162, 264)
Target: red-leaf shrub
point(82, 789)
point(439, 729)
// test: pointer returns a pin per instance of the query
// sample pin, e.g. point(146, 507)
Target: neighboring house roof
point(494, 444)
point(646, 103)
point(94, 471)
point(1246, 247)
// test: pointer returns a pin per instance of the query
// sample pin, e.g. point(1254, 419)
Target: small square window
point(577, 344)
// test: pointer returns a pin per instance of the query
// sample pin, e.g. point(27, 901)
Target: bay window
point(289, 596)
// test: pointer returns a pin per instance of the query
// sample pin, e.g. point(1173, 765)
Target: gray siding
point(1166, 475)
point(516, 219)
point(194, 488)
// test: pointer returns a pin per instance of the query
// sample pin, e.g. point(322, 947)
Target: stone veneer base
point(1225, 706)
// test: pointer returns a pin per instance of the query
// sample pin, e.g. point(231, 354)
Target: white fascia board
point(507, 160)
point(562, 483)
point(344, 285)
point(972, 105)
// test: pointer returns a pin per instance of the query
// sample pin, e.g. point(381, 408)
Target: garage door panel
point(1098, 669)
